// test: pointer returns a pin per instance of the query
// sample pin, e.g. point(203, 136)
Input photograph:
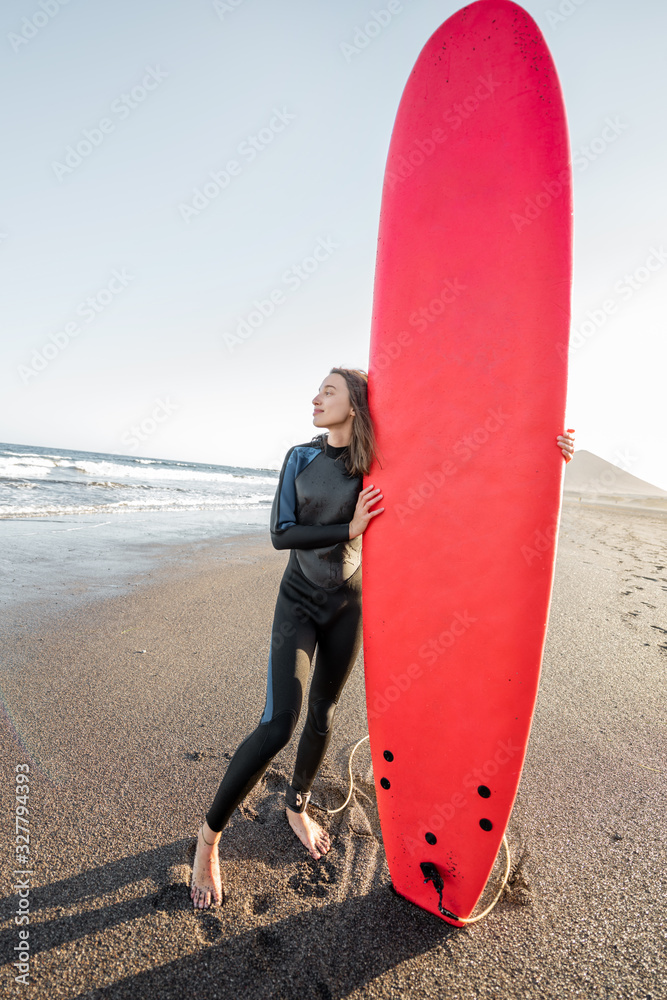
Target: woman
point(320, 513)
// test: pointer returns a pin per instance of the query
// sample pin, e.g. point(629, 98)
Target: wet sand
point(126, 711)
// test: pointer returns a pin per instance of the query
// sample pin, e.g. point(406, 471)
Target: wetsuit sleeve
point(285, 532)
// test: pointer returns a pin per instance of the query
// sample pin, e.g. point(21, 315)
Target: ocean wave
point(34, 484)
point(48, 484)
point(42, 468)
point(120, 486)
point(19, 469)
point(31, 454)
point(111, 470)
point(121, 507)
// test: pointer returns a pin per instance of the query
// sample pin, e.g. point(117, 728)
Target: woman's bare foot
point(310, 833)
point(206, 885)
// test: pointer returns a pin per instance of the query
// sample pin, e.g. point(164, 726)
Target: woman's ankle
point(296, 801)
point(209, 836)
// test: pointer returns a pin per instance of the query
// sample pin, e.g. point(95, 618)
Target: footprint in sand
point(267, 947)
point(262, 904)
point(200, 754)
point(316, 880)
point(172, 898)
point(209, 927)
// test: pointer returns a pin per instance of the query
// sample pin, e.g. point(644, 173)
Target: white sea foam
point(110, 470)
point(18, 467)
point(25, 467)
point(165, 504)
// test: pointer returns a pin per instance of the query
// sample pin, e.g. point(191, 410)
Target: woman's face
point(331, 405)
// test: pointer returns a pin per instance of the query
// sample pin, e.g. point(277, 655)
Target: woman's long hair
point(362, 448)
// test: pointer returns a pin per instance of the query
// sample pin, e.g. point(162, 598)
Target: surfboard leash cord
point(433, 873)
point(349, 771)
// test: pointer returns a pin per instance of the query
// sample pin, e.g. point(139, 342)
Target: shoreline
point(643, 505)
point(73, 559)
point(129, 747)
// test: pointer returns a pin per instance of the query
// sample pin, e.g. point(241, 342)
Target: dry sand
point(127, 710)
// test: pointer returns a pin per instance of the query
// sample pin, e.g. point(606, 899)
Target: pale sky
point(159, 94)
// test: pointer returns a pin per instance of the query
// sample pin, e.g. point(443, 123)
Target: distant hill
point(590, 474)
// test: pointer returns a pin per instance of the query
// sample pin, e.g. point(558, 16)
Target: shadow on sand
point(324, 952)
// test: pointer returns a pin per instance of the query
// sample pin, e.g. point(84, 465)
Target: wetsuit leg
point(293, 638)
point(338, 646)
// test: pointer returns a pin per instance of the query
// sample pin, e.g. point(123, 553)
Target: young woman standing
point(319, 512)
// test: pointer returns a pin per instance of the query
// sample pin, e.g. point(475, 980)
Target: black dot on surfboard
point(385, 783)
point(431, 839)
point(486, 824)
point(388, 755)
point(484, 791)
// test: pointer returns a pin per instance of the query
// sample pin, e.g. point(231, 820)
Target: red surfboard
point(467, 387)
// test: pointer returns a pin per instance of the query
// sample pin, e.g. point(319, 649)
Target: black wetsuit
point(319, 604)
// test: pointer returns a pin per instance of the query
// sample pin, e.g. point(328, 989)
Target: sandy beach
point(127, 709)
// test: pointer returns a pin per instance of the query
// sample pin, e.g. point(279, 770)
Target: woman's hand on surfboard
point(363, 514)
point(566, 443)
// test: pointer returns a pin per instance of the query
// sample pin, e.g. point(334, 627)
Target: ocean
point(35, 482)
point(77, 526)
